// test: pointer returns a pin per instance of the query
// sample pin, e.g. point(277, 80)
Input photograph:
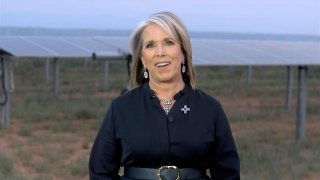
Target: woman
point(164, 127)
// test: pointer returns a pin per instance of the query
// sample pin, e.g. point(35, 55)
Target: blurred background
point(49, 135)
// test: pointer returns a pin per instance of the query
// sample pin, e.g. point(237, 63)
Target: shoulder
point(128, 96)
point(205, 98)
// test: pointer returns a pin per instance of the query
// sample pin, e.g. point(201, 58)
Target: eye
point(169, 42)
point(149, 45)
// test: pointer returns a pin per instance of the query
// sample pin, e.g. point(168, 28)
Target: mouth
point(162, 64)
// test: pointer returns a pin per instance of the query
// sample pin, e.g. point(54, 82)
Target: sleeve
point(104, 161)
point(226, 163)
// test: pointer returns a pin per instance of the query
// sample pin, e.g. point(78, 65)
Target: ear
point(183, 59)
point(142, 61)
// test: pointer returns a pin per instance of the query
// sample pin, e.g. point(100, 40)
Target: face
point(161, 55)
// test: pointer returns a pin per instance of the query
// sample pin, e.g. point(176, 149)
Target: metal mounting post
point(302, 102)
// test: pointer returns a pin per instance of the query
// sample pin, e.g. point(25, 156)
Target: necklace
point(167, 105)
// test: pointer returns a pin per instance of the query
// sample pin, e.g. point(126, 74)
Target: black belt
point(164, 172)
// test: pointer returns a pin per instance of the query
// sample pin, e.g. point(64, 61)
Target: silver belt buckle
point(168, 167)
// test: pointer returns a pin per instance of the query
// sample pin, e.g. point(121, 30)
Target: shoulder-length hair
point(175, 27)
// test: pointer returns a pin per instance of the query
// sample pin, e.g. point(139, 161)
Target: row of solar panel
point(205, 51)
point(29, 46)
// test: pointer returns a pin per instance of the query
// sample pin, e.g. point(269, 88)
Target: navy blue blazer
point(136, 132)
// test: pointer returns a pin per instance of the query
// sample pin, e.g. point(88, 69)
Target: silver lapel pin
point(185, 109)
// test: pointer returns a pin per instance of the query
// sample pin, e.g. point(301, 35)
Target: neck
point(166, 90)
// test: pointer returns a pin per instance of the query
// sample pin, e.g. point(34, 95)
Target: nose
point(161, 51)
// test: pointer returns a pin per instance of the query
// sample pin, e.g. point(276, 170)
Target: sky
point(239, 16)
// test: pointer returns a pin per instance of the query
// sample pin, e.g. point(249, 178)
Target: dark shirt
point(136, 132)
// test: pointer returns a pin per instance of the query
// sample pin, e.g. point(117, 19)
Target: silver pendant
point(185, 109)
point(166, 110)
point(167, 104)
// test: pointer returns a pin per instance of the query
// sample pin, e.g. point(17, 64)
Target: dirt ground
point(28, 155)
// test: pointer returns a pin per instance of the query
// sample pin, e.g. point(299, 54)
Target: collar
point(178, 95)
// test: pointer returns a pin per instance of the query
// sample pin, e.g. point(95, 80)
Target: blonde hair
point(175, 27)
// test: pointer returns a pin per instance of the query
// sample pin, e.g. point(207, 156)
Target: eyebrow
point(165, 39)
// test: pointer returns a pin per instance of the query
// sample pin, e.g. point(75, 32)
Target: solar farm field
point(50, 137)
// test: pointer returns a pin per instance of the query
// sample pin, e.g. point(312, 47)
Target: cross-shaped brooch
point(185, 109)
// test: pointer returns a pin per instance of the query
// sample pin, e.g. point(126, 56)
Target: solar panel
point(21, 48)
point(122, 43)
point(290, 52)
point(97, 49)
point(89, 44)
point(242, 52)
point(59, 46)
point(308, 52)
point(70, 47)
point(215, 53)
point(252, 52)
point(205, 51)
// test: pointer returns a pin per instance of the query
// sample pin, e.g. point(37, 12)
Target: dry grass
point(51, 138)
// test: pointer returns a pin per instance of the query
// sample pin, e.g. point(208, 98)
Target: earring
point(145, 74)
point(183, 68)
